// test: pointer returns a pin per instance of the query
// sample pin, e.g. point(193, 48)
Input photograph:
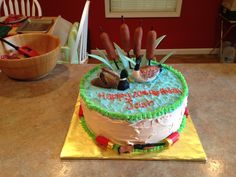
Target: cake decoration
point(81, 111)
point(125, 38)
point(133, 104)
point(106, 79)
point(125, 61)
point(107, 44)
point(171, 139)
point(106, 143)
point(110, 79)
point(146, 73)
point(143, 71)
point(138, 35)
point(151, 38)
point(186, 112)
point(123, 83)
point(172, 82)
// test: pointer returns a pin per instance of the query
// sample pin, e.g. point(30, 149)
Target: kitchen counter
point(35, 117)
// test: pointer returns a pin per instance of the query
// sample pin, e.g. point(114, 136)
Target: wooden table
point(35, 116)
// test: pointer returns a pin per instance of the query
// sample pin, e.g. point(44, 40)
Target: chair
point(78, 52)
point(21, 7)
point(67, 47)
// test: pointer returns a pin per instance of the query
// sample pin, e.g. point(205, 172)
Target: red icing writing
point(138, 105)
point(141, 93)
point(127, 97)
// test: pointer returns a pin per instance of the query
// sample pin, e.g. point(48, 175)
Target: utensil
point(25, 50)
point(32, 68)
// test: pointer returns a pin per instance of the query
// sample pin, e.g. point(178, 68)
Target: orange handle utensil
point(25, 50)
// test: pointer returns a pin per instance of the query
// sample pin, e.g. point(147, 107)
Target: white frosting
point(143, 131)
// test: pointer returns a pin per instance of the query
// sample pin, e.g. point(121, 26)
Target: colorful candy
point(104, 142)
point(81, 111)
point(171, 139)
point(125, 149)
point(186, 112)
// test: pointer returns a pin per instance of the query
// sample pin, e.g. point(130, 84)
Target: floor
point(184, 59)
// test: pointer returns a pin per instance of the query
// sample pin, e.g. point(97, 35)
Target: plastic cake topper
point(138, 69)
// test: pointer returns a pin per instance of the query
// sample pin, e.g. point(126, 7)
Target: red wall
point(198, 26)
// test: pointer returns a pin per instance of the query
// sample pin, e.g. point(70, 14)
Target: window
point(142, 8)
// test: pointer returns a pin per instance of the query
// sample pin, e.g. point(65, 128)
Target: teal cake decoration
point(141, 101)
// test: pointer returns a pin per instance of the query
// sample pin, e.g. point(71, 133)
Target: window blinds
point(143, 5)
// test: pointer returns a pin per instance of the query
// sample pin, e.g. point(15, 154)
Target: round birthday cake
point(133, 103)
point(146, 113)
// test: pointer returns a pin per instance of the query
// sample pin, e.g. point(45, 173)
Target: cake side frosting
point(142, 131)
point(142, 101)
point(141, 149)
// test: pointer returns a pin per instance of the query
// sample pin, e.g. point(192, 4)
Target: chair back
point(79, 50)
point(21, 7)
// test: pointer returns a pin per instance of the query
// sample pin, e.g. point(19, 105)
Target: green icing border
point(139, 116)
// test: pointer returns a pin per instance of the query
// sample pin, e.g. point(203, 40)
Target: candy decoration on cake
point(107, 44)
point(146, 73)
point(151, 39)
point(171, 139)
point(145, 59)
point(138, 101)
point(148, 145)
point(81, 111)
point(106, 143)
point(138, 35)
point(125, 38)
point(125, 61)
point(125, 149)
point(110, 77)
point(102, 141)
point(186, 112)
point(123, 83)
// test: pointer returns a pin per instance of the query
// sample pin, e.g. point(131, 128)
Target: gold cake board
point(79, 145)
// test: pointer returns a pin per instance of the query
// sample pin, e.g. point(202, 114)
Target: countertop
point(35, 117)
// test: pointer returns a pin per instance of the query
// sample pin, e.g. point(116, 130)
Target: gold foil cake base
point(79, 145)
